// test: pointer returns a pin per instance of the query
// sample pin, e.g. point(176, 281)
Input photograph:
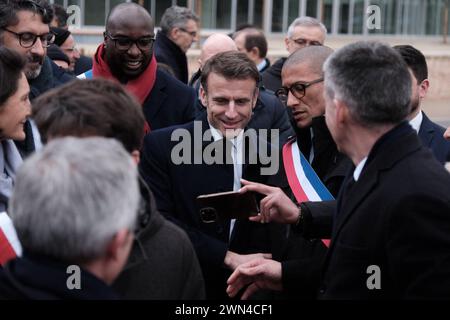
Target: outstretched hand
point(275, 206)
point(256, 275)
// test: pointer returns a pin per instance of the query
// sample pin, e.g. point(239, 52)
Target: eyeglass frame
point(193, 34)
point(132, 41)
point(19, 36)
point(286, 90)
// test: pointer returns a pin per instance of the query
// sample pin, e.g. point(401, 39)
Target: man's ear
point(136, 155)
point(423, 88)
point(117, 243)
point(286, 42)
point(254, 52)
point(203, 97)
point(342, 112)
point(173, 34)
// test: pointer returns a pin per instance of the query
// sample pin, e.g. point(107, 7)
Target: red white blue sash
point(10, 247)
point(303, 180)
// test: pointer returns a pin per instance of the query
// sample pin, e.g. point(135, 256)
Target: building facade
point(341, 17)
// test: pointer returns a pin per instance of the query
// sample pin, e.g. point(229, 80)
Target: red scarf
point(139, 87)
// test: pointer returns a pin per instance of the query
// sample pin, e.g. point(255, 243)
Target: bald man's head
point(216, 43)
point(128, 41)
point(128, 12)
point(313, 57)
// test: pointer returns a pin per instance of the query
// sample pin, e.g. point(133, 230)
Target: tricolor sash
point(10, 246)
point(303, 180)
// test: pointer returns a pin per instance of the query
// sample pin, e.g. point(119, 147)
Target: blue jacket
point(432, 137)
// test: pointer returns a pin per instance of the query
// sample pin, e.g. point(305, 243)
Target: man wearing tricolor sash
point(312, 170)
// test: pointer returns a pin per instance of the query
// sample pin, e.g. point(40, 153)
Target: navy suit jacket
point(170, 102)
point(176, 188)
point(432, 137)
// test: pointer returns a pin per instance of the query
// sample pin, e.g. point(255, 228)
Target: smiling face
point(32, 23)
point(15, 111)
point(229, 103)
point(69, 48)
point(312, 104)
point(128, 64)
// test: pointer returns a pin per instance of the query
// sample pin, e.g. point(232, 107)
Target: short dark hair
point(415, 60)
point(95, 107)
point(61, 15)
point(10, 8)
point(373, 80)
point(255, 38)
point(11, 68)
point(230, 65)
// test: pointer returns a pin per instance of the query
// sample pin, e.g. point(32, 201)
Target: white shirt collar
point(217, 135)
point(359, 169)
point(261, 65)
point(416, 122)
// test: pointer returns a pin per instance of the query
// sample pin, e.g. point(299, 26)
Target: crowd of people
point(104, 158)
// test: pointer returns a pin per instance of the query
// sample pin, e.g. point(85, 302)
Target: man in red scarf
point(126, 56)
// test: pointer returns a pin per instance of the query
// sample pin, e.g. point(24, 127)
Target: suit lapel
point(392, 151)
point(426, 131)
point(156, 98)
point(356, 195)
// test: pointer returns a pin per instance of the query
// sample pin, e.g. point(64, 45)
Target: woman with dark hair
point(14, 109)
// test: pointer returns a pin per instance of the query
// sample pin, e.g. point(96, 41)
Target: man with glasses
point(126, 56)
point(179, 29)
point(303, 32)
point(302, 92)
point(24, 27)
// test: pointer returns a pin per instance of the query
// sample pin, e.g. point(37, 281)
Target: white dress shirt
point(238, 160)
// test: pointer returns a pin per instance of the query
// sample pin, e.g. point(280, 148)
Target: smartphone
point(227, 205)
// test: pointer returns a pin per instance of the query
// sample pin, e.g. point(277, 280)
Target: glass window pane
point(223, 14)
point(294, 7)
point(344, 12)
point(242, 13)
point(258, 13)
point(311, 8)
point(277, 16)
point(358, 17)
point(94, 12)
point(207, 14)
point(327, 12)
point(160, 7)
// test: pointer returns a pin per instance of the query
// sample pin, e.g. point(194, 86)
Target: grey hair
point(305, 22)
point(176, 17)
point(73, 196)
point(372, 79)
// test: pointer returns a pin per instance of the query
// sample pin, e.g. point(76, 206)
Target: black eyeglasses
point(125, 43)
point(193, 34)
point(303, 42)
point(298, 90)
point(28, 39)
